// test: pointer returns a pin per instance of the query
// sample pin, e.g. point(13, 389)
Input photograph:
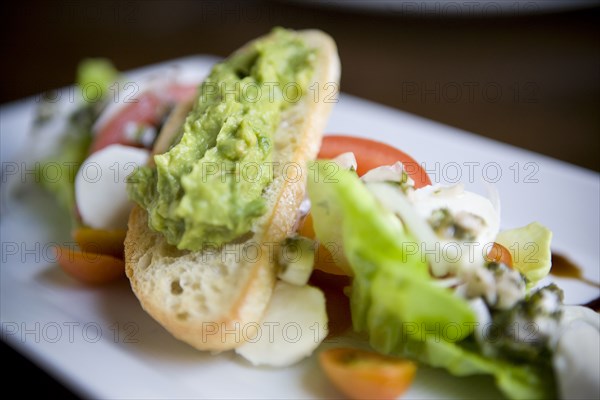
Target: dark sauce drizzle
point(565, 268)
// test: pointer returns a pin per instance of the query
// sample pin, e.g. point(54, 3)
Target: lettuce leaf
point(57, 172)
point(530, 250)
point(389, 280)
point(326, 215)
point(65, 164)
point(516, 381)
point(393, 297)
point(97, 72)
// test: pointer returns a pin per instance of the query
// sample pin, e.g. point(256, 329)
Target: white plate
point(100, 343)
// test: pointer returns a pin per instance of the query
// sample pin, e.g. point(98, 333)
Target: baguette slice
point(214, 300)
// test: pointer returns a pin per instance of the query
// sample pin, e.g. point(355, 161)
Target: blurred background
point(521, 72)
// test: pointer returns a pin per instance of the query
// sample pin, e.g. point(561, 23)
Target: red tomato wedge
point(371, 154)
point(90, 268)
point(147, 108)
point(361, 374)
point(500, 254)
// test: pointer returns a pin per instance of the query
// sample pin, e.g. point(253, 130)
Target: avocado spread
point(207, 188)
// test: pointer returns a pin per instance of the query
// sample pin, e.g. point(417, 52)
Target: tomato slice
point(90, 268)
point(361, 374)
point(148, 109)
point(144, 111)
point(371, 154)
point(500, 254)
point(180, 93)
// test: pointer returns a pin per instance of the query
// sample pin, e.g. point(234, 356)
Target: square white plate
point(100, 343)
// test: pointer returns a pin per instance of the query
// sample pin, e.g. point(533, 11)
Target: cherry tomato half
point(361, 374)
point(146, 109)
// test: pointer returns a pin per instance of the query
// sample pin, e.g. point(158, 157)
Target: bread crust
point(214, 300)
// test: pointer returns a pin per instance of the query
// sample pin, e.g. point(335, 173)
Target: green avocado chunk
point(206, 190)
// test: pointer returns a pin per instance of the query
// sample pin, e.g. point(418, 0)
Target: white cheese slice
point(294, 325)
point(101, 186)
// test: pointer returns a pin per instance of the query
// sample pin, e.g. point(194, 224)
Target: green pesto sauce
point(207, 189)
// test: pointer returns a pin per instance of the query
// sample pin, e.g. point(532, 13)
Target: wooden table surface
point(529, 80)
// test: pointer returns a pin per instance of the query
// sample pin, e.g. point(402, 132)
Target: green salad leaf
point(530, 250)
point(99, 72)
point(56, 173)
point(516, 381)
point(393, 297)
point(392, 288)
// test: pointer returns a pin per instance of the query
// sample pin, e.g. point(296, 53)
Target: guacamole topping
point(207, 189)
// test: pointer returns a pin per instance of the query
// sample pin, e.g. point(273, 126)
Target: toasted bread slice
point(214, 300)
